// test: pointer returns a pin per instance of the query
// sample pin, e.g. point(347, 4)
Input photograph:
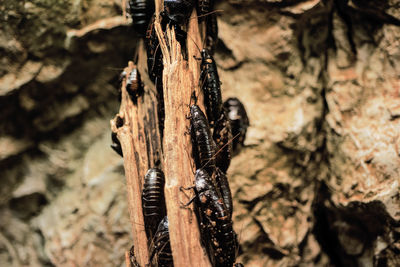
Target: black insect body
point(238, 265)
point(204, 7)
point(116, 145)
point(211, 33)
point(134, 85)
point(222, 136)
point(155, 68)
point(216, 229)
point(209, 82)
point(178, 11)
point(140, 11)
point(239, 121)
point(160, 107)
point(132, 258)
point(203, 144)
point(160, 251)
point(154, 55)
point(153, 201)
point(225, 190)
point(180, 34)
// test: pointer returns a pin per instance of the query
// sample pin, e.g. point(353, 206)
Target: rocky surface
point(316, 184)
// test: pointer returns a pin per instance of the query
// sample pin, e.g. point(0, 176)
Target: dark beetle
point(132, 258)
point(155, 68)
point(116, 145)
point(222, 136)
point(160, 251)
point(225, 190)
point(153, 201)
point(154, 54)
point(140, 11)
point(209, 82)
point(216, 229)
point(203, 144)
point(134, 85)
point(239, 121)
point(204, 7)
point(178, 11)
point(180, 34)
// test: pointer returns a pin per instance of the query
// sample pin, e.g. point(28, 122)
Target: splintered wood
point(136, 126)
point(180, 79)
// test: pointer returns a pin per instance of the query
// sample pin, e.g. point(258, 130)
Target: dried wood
point(142, 149)
point(180, 79)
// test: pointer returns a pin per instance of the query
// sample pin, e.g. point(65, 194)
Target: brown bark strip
point(140, 141)
point(179, 80)
point(141, 146)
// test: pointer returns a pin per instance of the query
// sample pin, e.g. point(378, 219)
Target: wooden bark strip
point(141, 146)
point(179, 80)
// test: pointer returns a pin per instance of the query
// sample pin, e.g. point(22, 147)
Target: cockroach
point(215, 223)
point(222, 136)
point(160, 107)
point(132, 258)
point(153, 202)
point(210, 84)
point(204, 7)
point(211, 33)
point(115, 144)
point(180, 34)
point(155, 68)
point(160, 250)
point(237, 116)
point(225, 190)
point(203, 144)
point(154, 54)
point(140, 11)
point(134, 85)
point(178, 11)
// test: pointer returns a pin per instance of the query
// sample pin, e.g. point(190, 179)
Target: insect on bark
point(153, 201)
point(134, 85)
point(215, 224)
point(140, 11)
point(178, 11)
point(115, 144)
point(222, 136)
point(237, 116)
point(132, 258)
point(203, 144)
point(225, 190)
point(154, 54)
point(160, 250)
point(210, 84)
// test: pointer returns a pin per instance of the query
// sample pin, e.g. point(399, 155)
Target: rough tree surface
point(316, 184)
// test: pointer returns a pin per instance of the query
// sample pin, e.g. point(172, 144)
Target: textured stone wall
point(317, 182)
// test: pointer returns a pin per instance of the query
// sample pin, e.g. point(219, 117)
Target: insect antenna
point(209, 13)
point(198, 48)
point(219, 150)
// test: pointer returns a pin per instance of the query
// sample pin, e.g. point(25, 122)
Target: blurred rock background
point(317, 183)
